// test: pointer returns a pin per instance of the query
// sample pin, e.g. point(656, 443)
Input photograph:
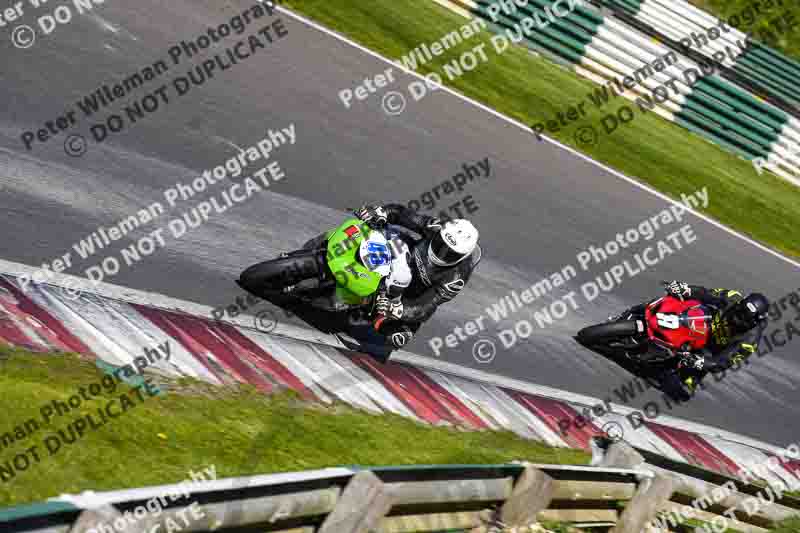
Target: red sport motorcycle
point(676, 326)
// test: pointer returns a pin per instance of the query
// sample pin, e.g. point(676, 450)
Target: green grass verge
point(791, 525)
point(532, 89)
point(763, 26)
point(699, 525)
point(239, 431)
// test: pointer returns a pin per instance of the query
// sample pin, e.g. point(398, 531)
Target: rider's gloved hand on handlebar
point(384, 306)
point(678, 289)
point(396, 310)
point(434, 224)
point(397, 334)
point(692, 360)
point(374, 215)
point(401, 337)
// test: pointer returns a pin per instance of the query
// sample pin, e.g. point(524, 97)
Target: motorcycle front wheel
point(272, 276)
point(604, 333)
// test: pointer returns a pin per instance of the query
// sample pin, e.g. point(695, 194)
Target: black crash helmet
point(746, 314)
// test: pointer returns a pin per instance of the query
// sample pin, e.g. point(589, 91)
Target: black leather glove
point(375, 216)
point(401, 337)
point(693, 361)
point(678, 289)
point(384, 306)
point(434, 224)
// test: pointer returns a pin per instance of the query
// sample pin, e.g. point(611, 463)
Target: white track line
point(522, 126)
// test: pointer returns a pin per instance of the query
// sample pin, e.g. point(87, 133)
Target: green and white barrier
point(768, 69)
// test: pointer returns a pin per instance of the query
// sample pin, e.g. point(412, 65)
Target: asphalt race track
point(540, 206)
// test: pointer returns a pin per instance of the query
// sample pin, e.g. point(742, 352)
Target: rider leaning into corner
point(439, 267)
point(736, 327)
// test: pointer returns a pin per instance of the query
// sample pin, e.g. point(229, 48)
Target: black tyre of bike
point(603, 333)
point(272, 276)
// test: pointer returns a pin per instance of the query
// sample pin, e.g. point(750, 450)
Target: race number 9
point(668, 321)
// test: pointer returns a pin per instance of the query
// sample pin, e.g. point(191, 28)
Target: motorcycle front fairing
point(354, 281)
point(678, 325)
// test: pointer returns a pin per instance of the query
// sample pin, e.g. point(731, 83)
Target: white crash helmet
point(455, 242)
